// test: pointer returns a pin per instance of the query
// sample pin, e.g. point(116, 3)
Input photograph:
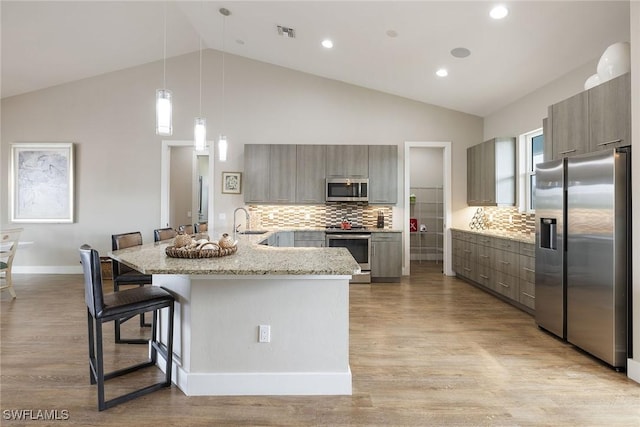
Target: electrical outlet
point(264, 333)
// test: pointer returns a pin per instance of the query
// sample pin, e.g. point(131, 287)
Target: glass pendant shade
point(222, 148)
point(163, 113)
point(200, 133)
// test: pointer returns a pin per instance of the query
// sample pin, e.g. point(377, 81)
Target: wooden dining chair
point(201, 227)
point(124, 275)
point(9, 241)
point(186, 229)
point(160, 234)
point(128, 303)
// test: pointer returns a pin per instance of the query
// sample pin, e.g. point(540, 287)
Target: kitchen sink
point(253, 232)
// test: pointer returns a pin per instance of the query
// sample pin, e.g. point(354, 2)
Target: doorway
point(428, 213)
point(184, 190)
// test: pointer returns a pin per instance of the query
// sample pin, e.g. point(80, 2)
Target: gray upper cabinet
point(383, 174)
point(491, 173)
point(270, 172)
point(282, 173)
point(256, 173)
point(571, 126)
point(610, 114)
point(310, 174)
point(347, 160)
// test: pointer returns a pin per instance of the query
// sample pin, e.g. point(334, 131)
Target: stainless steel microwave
point(347, 190)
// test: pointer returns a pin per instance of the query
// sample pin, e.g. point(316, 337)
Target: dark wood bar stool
point(164, 234)
point(124, 275)
point(112, 307)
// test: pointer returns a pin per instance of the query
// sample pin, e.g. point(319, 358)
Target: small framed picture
point(232, 182)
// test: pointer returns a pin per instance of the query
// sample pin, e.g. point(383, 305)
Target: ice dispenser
point(548, 233)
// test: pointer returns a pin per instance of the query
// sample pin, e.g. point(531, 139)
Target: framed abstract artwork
point(41, 182)
point(232, 182)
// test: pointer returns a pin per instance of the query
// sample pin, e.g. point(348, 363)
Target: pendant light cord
point(164, 48)
point(200, 108)
point(224, 19)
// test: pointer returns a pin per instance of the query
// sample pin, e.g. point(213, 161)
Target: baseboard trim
point(633, 370)
point(47, 269)
point(261, 383)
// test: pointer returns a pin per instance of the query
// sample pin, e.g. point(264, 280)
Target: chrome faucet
point(235, 227)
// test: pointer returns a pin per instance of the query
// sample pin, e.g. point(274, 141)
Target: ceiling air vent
point(286, 32)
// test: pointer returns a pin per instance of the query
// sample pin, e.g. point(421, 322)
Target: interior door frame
point(165, 178)
point(446, 192)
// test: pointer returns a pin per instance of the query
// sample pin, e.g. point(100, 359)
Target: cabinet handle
point(484, 256)
point(466, 269)
point(528, 269)
point(484, 277)
point(467, 251)
point(568, 151)
point(502, 284)
point(505, 262)
point(615, 141)
point(528, 295)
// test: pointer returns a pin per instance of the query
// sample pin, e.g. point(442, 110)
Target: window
point(534, 148)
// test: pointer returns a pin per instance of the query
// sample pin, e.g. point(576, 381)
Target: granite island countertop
point(518, 237)
point(250, 259)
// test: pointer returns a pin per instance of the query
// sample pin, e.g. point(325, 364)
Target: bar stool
point(186, 229)
point(111, 307)
point(164, 234)
point(124, 275)
point(9, 241)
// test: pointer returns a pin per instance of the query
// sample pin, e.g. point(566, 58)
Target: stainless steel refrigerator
point(583, 239)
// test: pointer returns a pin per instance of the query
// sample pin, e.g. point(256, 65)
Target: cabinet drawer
point(484, 255)
point(464, 236)
point(386, 237)
point(486, 276)
point(528, 268)
point(484, 240)
point(528, 249)
point(506, 262)
point(507, 285)
point(528, 293)
point(506, 244)
point(309, 235)
point(468, 269)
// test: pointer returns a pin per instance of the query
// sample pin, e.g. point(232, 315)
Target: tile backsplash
point(505, 219)
point(278, 216)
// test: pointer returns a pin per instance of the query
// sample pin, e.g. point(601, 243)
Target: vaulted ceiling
point(390, 46)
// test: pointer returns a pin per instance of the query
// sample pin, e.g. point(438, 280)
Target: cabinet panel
point(485, 255)
point(610, 114)
point(571, 126)
point(347, 160)
point(282, 170)
point(506, 262)
point(507, 285)
point(256, 173)
point(491, 173)
point(310, 173)
point(528, 293)
point(474, 184)
point(383, 174)
point(485, 276)
point(386, 255)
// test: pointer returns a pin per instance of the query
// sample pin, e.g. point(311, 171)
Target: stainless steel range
point(358, 241)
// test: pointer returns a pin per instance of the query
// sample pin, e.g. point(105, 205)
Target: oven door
point(358, 244)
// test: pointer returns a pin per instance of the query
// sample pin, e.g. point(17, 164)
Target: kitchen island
point(301, 294)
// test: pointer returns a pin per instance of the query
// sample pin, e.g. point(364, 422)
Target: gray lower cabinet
point(347, 160)
point(383, 174)
point(310, 173)
point(309, 239)
point(386, 256)
point(503, 266)
point(282, 239)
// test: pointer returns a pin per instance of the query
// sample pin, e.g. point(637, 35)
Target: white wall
point(426, 167)
point(111, 119)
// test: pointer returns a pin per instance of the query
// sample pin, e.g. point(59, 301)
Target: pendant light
point(164, 108)
point(200, 123)
point(223, 145)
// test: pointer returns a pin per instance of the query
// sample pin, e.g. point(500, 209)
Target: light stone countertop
point(518, 237)
point(250, 259)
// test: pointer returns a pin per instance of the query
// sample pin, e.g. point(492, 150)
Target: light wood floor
point(430, 351)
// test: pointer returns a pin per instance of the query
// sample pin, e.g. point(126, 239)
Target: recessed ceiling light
point(460, 52)
point(499, 12)
point(327, 43)
point(442, 72)
point(392, 33)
